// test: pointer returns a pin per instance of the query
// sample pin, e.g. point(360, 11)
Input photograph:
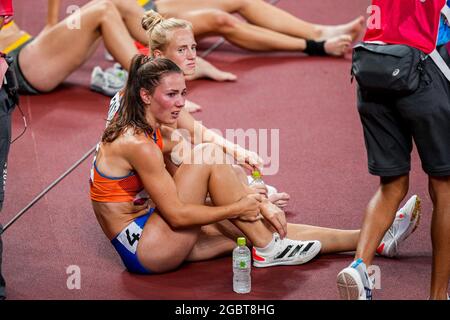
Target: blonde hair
point(158, 29)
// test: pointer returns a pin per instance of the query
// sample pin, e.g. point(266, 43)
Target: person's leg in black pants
point(6, 108)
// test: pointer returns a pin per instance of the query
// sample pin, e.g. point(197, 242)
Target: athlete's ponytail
point(145, 72)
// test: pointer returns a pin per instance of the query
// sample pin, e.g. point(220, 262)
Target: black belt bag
point(390, 68)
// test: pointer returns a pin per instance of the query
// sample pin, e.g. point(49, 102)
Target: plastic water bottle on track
point(257, 178)
point(242, 264)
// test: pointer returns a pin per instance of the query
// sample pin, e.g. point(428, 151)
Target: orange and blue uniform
point(118, 189)
point(124, 189)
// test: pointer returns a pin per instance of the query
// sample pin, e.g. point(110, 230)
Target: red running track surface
point(322, 167)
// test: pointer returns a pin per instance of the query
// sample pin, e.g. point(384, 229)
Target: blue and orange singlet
point(118, 189)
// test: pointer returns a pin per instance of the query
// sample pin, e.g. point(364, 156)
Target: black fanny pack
point(390, 68)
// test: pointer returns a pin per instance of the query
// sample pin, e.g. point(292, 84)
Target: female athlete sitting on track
point(173, 39)
point(157, 235)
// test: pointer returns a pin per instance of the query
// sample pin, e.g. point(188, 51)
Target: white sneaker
point(406, 221)
point(105, 83)
point(285, 252)
point(354, 283)
point(118, 72)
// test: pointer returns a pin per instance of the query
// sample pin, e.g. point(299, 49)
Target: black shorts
point(25, 87)
point(392, 122)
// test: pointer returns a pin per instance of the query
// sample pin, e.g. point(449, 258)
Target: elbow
point(177, 221)
point(176, 224)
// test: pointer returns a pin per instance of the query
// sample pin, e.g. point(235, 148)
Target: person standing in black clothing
point(7, 104)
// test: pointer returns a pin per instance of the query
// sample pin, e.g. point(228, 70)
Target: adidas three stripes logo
point(297, 250)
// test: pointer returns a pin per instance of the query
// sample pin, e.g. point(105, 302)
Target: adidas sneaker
point(285, 252)
point(354, 282)
point(406, 221)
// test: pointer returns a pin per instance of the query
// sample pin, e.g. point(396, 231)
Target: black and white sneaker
point(286, 252)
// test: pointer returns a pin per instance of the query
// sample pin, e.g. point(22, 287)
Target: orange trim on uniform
point(108, 189)
point(118, 189)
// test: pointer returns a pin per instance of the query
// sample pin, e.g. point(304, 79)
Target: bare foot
point(191, 107)
point(338, 46)
point(207, 70)
point(353, 28)
point(222, 76)
point(214, 74)
point(279, 199)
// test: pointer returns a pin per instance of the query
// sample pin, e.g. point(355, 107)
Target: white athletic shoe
point(406, 221)
point(105, 83)
point(285, 252)
point(354, 283)
point(118, 72)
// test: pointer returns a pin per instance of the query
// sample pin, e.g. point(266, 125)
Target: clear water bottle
point(257, 178)
point(242, 264)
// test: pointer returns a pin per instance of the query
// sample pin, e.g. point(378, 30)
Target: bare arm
point(53, 12)
point(201, 134)
point(147, 160)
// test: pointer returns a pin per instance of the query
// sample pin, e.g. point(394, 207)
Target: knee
point(240, 172)
point(209, 154)
point(223, 21)
point(106, 9)
point(125, 6)
point(395, 186)
point(244, 4)
point(439, 186)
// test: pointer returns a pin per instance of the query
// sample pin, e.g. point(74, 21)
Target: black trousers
point(6, 109)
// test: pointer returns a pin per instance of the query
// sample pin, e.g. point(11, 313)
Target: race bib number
point(130, 236)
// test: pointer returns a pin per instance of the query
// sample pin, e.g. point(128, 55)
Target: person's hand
point(140, 204)
point(248, 159)
point(249, 208)
point(260, 189)
point(275, 216)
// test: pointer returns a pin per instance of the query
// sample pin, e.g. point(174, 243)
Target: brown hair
point(158, 29)
point(145, 72)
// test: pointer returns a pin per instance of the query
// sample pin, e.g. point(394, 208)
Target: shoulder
point(139, 149)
